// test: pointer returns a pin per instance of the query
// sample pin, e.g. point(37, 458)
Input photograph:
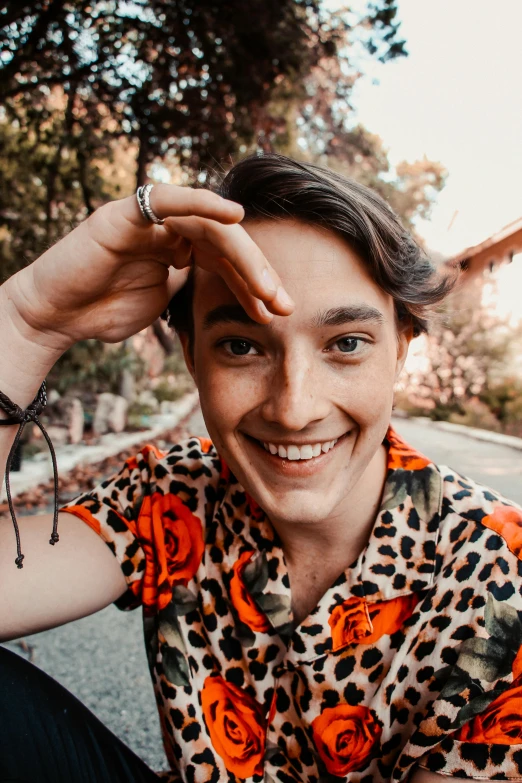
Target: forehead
point(318, 268)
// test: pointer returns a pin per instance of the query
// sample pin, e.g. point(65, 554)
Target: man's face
point(298, 408)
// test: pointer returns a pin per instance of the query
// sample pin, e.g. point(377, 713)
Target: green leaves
point(422, 485)
point(172, 647)
point(485, 659)
point(425, 492)
point(255, 574)
point(396, 490)
point(489, 659)
point(245, 636)
point(183, 600)
point(175, 665)
point(502, 621)
point(150, 633)
point(277, 608)
point(476, 706)
point(482, 660)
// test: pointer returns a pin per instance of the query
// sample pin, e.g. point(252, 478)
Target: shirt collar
point(400, 555)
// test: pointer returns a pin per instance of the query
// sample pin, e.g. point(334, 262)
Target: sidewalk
point(469, 432)
point(38, 469)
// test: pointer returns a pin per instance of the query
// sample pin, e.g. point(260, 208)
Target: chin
point(296, 505)
point(301, 511)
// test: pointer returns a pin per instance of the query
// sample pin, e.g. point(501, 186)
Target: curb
point(471, 432)
point(37, 470)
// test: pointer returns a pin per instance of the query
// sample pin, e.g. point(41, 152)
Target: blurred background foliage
point(99, 96)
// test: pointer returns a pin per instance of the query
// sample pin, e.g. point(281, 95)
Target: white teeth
point(300, 452)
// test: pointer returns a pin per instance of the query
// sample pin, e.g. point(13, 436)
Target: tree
point(94, 90)
point(193, 77)
point(189, 81)
point(467, 356)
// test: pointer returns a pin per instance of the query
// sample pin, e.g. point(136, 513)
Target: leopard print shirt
point(412, 657)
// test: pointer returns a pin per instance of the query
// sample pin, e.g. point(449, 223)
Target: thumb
point(176, 280)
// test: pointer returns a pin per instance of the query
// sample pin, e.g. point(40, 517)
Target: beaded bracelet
point(18, 416)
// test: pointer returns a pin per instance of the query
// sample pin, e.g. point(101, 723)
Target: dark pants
point(48, 736)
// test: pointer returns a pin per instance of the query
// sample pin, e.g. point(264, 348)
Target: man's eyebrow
point(228, 314)
point(338, 316)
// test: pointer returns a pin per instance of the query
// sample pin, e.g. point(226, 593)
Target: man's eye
point(349, 344)
point(238, 347)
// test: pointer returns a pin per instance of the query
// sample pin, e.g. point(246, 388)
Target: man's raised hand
point(115, 273)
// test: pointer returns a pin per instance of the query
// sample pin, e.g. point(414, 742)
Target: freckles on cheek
point(368, 398)
point(227, 394)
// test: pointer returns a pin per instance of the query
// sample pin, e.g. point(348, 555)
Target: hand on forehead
point(318, 269)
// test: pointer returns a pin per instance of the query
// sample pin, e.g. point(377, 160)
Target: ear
point(187, 353)
point(404, 338)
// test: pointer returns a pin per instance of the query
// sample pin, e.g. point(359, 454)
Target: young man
point(321, 603)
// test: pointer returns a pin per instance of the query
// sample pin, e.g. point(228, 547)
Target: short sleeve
point(472, 725)
point(153, 515)
point(112, 510)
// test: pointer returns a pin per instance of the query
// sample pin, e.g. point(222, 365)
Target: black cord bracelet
point(21, 417)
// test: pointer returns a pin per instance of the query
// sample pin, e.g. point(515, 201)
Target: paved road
point(101, 658)
point(499, 467)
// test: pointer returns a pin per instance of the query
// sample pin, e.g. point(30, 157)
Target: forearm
point(26, 357)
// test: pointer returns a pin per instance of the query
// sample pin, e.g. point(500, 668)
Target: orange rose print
point(237, 726)
point(345, 737)
point(172, 538)
point(357, 622)
point(387, 617)
point(242, 601)
point(507, 522)
point(500, 723)
point(206, 445)
point(350, 622)
point(400, 455)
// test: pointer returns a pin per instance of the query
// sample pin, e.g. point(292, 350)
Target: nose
point(297, 395)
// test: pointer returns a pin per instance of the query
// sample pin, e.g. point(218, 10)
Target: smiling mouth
point(294, 453)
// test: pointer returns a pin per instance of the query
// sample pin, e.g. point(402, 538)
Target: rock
point(110, 414)
point(119, 415)
point(53, 396)
point(167, 407)
point(127, 385)
point(75, 420)
point(59, 435)
point(147, 397)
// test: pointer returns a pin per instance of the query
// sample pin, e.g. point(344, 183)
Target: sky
point(457, 99)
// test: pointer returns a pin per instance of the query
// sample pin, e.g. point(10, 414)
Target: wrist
point(26, 355)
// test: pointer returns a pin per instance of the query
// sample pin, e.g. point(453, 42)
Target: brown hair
point(271, 187)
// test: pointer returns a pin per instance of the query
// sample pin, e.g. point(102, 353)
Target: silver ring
point(143, 198)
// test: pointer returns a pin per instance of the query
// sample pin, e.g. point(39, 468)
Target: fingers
point(213, 243)
point(255, 308)
point(176, 280)
point(175, 201)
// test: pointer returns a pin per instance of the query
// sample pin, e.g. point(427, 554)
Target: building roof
point(501, 237)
